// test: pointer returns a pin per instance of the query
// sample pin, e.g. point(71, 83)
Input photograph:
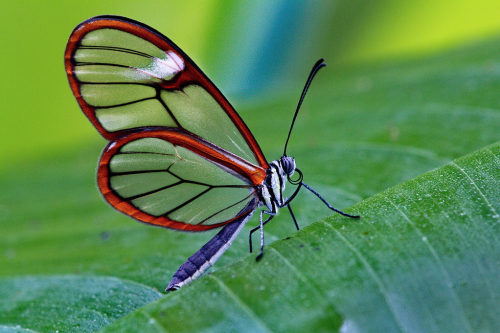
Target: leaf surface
point(424, 257)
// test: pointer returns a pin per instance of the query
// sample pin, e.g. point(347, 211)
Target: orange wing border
point(255, 175)
point(191, 74)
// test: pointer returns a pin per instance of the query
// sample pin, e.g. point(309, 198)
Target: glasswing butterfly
point(179, 156)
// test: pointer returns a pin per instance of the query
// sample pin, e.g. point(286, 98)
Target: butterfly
point(179, 156)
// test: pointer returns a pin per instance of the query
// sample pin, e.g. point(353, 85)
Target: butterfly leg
point(327, 204)
point(261, 226)
point(293, 217)
point(288, 200)
point(287, 204)
point(258, 227)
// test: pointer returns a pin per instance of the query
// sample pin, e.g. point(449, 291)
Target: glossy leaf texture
point(361, 131)
point(424, 258)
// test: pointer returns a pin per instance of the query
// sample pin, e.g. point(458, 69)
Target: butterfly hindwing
point(127, 77)
point(173, 179)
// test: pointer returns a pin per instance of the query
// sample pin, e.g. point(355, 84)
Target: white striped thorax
point(271, 192)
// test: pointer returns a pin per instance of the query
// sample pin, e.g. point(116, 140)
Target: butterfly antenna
point(317, 66)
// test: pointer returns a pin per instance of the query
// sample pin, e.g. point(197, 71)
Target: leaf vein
point(242, 305)
point(372, 273)
point(443, 269)
point(152, 320)
point(477, 188)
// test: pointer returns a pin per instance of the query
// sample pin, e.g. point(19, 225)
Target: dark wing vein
point(121, 83)
point(135, 152)
point(186, 202)
point(140, 171)
point(117, 49)
point(152, 192)
point(220, 211)
point(165, 106)
point(122, 104)
point(88, 63)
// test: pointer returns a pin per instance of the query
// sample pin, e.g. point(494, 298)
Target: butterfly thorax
point(271, 191)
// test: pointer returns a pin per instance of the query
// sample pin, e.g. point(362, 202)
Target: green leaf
point(424, 257)
point(69, 303)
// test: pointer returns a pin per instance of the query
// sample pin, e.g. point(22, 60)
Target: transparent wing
point(173, 179)
point(127, 76)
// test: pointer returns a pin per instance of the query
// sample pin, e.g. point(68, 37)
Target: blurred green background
point(251, 50)
point(409, 87)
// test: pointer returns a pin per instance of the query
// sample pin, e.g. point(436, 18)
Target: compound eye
point(288, 165)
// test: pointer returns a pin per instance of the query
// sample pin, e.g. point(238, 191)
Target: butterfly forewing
point(127, 77)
